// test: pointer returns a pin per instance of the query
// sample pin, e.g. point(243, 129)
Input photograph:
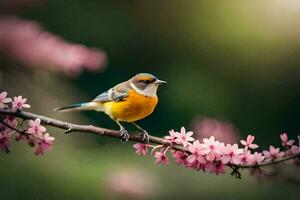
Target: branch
point(70, 127)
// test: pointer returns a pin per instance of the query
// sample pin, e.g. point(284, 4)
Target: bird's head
point(145, 84)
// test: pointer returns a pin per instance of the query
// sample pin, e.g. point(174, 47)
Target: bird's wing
point(117, 93)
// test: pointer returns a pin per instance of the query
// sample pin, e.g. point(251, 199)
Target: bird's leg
point(124, 132)
point(145, 135)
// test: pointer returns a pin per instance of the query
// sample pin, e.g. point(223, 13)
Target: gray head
point(146, 84)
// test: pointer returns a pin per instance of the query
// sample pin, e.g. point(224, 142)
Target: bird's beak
point(160, 82)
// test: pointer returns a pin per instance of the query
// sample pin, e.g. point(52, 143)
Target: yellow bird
point(128, 101)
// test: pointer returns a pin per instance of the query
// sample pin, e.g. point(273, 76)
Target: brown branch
point(70, 127)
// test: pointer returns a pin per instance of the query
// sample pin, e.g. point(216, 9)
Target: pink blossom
point(285, 141)
point(231, 154)
point(19, 103)
point(223, 131)
point(11, 121)
point(45, 144)
point(141, 149)
point(5, 137)
point(245, 157)
point(273, 153)
point(256, 158)
point(172, 136)
point(197, 166)
point(4, 99)
point(161, 158)
point(295, 149)
point(184, 138)
point(27, 42)
point(35, 127)
point(249, 142)
point(131, 183)
point(195, 150)
point(216, 168)
point(211, 148)
point(180, 157)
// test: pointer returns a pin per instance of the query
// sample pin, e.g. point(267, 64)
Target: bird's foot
point(124, 135)
point(145, 136)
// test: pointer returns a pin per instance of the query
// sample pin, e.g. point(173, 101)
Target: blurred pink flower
point(216, 168)
point(285, 141)
point(141, 149)
point(130, 184)
point(184, 138)
point(161, 158)
point(295, 149)
point(5, 137)
point(45, 144)
point(223, 131)
point(35, 127)
point(4, 99)
point(197, 166)
point(231, 154)
point(19, 102)
point(273, 153)
point(180, 157)
point(11, 120)
point(249, 143)
point(27, 42)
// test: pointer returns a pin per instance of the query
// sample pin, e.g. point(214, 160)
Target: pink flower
point(20, 103)
point(256, 158)
point(231, 154)
point(11, 120)
point(211, 148)
point(131, 183)
point(197, 166)
point(5, 137)
point(184, 138)
point(44, 145)
point(4, 99)
point(161, 158)
point(180, 157)
point(295, 149)
point(285, 141)
point(28, 43)
point(35, 127)
point(273, 153)
point(195, 150)
point(223, 131)
point(141, 149)
point(172, 137)
point(249, 143)
point(246, 157)
point(216, 168)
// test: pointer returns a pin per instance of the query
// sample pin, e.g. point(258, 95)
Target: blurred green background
point(231, 60)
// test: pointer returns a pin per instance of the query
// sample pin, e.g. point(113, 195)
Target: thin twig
point(70, 127)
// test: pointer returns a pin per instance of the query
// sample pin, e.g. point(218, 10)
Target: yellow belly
point(135, 107)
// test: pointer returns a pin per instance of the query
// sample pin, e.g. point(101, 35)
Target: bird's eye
point(145, 81)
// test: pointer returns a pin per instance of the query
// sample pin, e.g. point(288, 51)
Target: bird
point(129, 101)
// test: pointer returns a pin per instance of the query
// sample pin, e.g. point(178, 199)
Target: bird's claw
point(145, 136)
point(124, 135)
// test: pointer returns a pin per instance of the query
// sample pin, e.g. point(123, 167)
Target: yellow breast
point(135, 107)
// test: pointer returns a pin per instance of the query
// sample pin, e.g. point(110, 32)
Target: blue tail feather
point(77, 106)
